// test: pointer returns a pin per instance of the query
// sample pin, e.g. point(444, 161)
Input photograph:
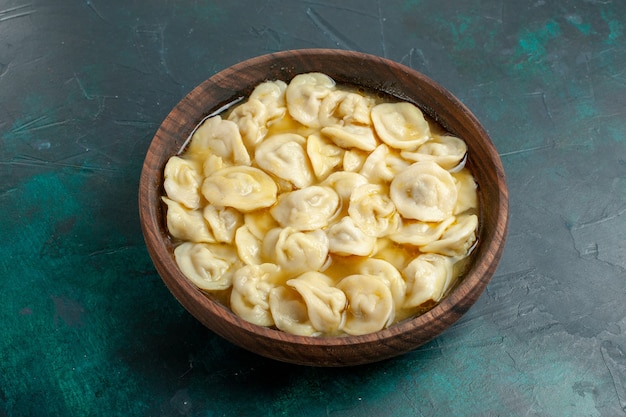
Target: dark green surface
point(88, 328)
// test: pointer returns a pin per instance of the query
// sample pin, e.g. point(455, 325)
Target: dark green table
point(89, 329)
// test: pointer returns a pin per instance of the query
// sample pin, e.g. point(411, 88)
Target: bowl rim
point(449, 309)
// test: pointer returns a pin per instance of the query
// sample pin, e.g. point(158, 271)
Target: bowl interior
point(345, 67)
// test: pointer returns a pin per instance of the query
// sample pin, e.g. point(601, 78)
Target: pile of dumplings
point(321, 210)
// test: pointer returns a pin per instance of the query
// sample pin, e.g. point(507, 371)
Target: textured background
point(88, 328)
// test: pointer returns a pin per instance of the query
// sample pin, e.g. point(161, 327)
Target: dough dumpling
point(381, 166)
point(388, 274)
point(224, 222)
point(447, 151)
point(251, 118)
point(417, 233)
point(344, 183)
point(272, 95)
point(345, 238)
point(370, 304)
point(427, 278)
point(373, 211)
point(186, 224)
point(209, 267)
point(467, 192)
point(354, 159)
point(304, 96)
point(424, 191)
point(295, 251)
point(325, 303)
point(259, 222)
point(352, 136)
point(249, 298)
point(306, 209)
point(220, 138)
point(289, 312)
point(324, 155)
point(241, 187)
point(182, 182)
point(284, 155)
point(249, 246)
point(343, 108)
point(400, 125)
point(458, 239)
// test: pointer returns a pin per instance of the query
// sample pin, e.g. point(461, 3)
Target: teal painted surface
point(87, 326)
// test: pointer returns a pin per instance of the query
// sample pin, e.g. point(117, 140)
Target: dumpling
point(424, 191)
point(382, 165)
point(249, 247)
point(345, 238)
point(272, 95)
point(343, 108)
point(417, 233)
point(396, 255)
point(352, 136)
point(325, 303)
point(259, 222)
point(344, 183)
point(400, 125)
point(251, 118)
point(446, 150)
point(249, 298)
point(323, 155)
point(370, 304)
point(354, 159)
point(209, 267)
point(241, 187)
point(289, 312)
point(427, 278)
point(186, 224)
point(388, 274)
point(467, 192)
point(222, 139)
point(224, 222)
point(182, 182)
point(458, 239)
point(306, 209)
point(284, 155)
point(304, 96)
point(295, 251)
point(373, 211)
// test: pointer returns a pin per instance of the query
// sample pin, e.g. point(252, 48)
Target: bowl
point(345, 67)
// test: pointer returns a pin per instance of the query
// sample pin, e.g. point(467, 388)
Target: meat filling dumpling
point(427, 279)
point(370, 304)
point(446, 150)
point(373, 211)
point(182, 181)
point(272, 95)
point(457, 240)
point(295, 251)
point(289, 312)
point(304, 96)
point(241, 187)
point(400, 125)
point(186, 224)
point(424, 191)
point(307, 209)
point(325, 303)
point(208, 266)
point(285, 156)
point(224, 222)
point(218, 138)
point(249, 298)
point(345, 238)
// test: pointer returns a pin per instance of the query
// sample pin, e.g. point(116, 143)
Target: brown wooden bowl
point(345, 67)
